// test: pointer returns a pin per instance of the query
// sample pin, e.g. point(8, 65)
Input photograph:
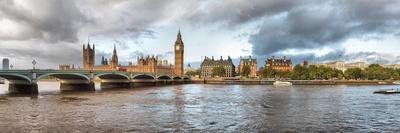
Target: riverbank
point(270, 82)
point(295, 82)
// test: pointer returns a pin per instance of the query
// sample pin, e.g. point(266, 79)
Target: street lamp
point(34, 63)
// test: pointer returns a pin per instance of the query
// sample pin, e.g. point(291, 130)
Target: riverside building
point(283, 64)
point(209, 64)
point(251, 63)
point(145, 64)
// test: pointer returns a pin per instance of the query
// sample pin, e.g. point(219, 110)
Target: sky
point(52, 32)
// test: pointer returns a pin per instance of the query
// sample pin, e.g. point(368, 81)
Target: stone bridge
point(25, 81)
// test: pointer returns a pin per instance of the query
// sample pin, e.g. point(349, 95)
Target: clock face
point(177, 47)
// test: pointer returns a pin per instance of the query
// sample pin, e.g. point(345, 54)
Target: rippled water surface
point(209, 108)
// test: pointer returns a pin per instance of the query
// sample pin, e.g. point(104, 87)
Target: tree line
point(313, 72)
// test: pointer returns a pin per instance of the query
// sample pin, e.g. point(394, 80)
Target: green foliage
point(353, 73)
point(271, 73)
point(218, 71)
point(245, 71)
point(312, 72)
point(375, 71)
point(267, 73)
point(193, 73)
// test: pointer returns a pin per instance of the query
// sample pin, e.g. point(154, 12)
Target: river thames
point(199, 107)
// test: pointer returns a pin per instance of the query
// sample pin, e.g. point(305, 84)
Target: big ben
point(179, 48)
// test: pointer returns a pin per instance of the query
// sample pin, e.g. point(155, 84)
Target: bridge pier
point(142, 83)
point(18, 87)
point(163, 82)
point(115, 83)
point(77, 85)
point(177, 82)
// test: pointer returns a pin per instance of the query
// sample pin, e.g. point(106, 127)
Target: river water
point(205, 108)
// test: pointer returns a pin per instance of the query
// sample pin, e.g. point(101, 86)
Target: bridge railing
point(80, 71)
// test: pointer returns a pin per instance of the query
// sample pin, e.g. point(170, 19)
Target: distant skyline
point(53, 31)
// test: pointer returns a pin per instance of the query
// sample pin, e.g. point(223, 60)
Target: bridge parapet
point(20, 80)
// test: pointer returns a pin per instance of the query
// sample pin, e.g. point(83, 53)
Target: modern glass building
point(6, 64)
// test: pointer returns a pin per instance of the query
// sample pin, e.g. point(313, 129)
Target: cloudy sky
point(53, 31)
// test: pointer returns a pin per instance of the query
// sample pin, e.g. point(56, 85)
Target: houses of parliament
point(149, 64)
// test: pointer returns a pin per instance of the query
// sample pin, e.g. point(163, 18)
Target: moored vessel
point(282, 83)
point(396, 82)
point(389, 91)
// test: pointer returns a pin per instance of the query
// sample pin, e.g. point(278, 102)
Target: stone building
point(252, 63)
point(179, 50)
point(88, 57)
point(343, 66)
point(104, 61)
point(150, 64)
point(66, 67)
point(145, 64)
point(209, 64)
point(278, 64)
point(114, 58)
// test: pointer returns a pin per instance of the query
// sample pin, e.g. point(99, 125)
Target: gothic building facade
point(179, 50)
point(251, 63)
point(88, 56)
point(144, 64)
point(279, 64)
point(208, 65)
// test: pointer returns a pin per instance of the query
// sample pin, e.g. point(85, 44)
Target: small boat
point(390, 91)
point(382, 83)
point(396, 82)
point(282, 83)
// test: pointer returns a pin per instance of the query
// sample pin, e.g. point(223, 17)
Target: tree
point(193, 73)
point(376, 71)
point(218, 71)
point(338, 74)
point(353, 73)
point(245, 71)
point(268, 72)
point(298, 72)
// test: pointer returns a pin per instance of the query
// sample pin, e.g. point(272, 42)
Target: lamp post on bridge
point(34, 63)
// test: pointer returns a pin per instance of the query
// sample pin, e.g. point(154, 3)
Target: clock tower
point(179, 48)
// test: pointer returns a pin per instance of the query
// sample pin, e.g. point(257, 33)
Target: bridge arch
point(143, 76)
point(164, 77)
point(78, 76)
point(112, 76)
point(177, 78)
point(186, 78)
point(11, 76)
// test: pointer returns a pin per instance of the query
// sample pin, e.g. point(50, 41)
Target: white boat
point(396, 82)
point(382, 83)
point(282, 83)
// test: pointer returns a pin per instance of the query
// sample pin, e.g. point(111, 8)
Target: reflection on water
point(212, 108)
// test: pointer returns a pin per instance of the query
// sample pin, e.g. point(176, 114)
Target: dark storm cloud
point(369, 57)
point(237, 12)
point(58, 25)
point(50, 20)
point(314, 25)
point(51, 27)
point(43, 54)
